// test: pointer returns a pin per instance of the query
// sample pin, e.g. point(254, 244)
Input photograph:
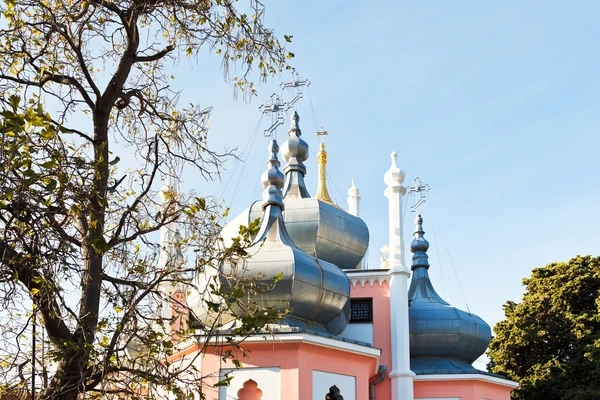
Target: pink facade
point(297, 360)
point(467, 389)
point(298, 355)
point(380, 292)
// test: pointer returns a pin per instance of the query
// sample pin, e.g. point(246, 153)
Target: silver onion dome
point(316, 227)
point(295, 152)
point(443, 339)
point(316, 291)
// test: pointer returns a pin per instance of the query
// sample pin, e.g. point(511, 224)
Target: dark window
point(361, 310)
point(334, 394)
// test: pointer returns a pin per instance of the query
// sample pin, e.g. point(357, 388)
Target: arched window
point(250, 391)
point(334, 394)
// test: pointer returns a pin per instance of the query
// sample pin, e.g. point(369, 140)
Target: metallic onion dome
point(317, 227)
point(317, 292)
point(443, 339)
point(295, 152)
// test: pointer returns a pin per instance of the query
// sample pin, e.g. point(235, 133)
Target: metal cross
point(276, 107)
point(322, 133)
point(420, 190)
point(295, 84)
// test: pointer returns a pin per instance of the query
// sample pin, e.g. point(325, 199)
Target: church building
point(352, 332)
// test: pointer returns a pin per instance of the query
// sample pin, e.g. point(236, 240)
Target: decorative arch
point(334, 394)
point(250, 391)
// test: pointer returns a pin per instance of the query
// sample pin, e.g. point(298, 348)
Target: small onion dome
point(316, 225)
point(443, 339)
point(394, 176)
point(316, 291)
point(295, 152)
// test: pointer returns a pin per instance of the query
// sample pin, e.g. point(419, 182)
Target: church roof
point(313, 290)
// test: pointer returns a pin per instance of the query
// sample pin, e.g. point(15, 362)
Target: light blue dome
point(443, 339)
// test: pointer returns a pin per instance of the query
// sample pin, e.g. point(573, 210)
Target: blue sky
point(495, 104)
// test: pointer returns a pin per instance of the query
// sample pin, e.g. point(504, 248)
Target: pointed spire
point(295, 124)
point(353, 199)
point(353, 191)
point(322, 192)
point(273, 179)
point(419, 246)
point(295, 152)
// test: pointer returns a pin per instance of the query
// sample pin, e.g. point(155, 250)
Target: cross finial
point(420, 189)
point(276, 107)
point(322, 133)
point(295, 84)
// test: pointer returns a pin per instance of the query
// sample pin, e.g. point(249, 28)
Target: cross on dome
point(295, 84)
point(276, 107)
point(420, 189)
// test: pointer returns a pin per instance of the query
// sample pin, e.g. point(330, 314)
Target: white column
point(400, 375)
point(354, 209)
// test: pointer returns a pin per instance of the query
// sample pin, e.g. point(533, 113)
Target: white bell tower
point(401, 376)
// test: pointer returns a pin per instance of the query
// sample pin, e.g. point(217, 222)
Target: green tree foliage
point(83, 86)
point(550, 342)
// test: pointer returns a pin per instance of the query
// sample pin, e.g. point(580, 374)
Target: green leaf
point(14, 101)
point(51, 185)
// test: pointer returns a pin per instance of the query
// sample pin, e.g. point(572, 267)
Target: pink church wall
point(296, 362)
point(465, 389)
point(381, 327)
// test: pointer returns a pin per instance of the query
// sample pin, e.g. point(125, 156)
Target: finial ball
point(295, 146)
point(394, 176)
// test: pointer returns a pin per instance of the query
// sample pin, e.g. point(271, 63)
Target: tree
point(78, 242)
point(550, 342)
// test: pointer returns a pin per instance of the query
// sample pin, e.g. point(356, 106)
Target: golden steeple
point(322, 193)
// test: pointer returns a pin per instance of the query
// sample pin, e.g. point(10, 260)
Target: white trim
point(304, 338)
point(317, 341)
point(365, 276)
point(468, 377)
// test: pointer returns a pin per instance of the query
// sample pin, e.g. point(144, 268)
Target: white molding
point(307, 338)
point(468, 377)
point(371, 277)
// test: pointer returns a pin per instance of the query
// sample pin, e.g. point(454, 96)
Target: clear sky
point(496, 105)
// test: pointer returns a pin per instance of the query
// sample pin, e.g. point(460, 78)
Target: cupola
point(316, 226)
point(443, 339)
point(317, 292)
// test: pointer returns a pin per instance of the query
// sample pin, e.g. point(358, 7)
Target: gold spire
point(322, 193)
